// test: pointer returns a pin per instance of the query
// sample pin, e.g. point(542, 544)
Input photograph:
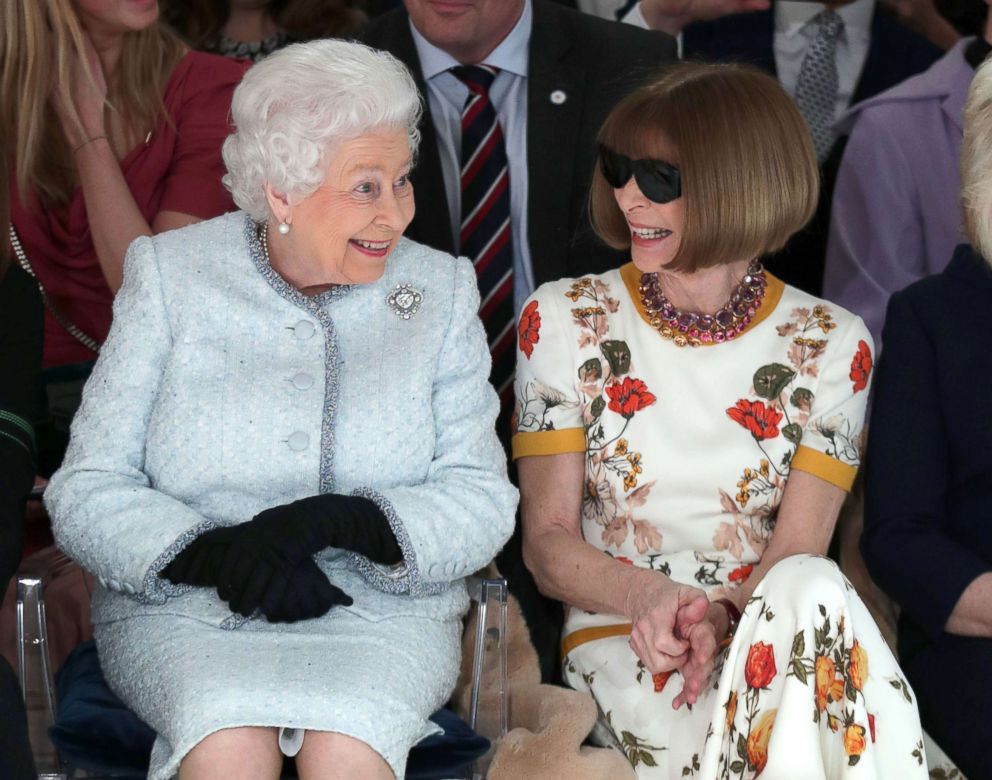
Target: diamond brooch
point(405, 300)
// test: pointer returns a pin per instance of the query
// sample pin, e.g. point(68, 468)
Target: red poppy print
point(629, 396)
point(529, 329)
point(861, 367)
point(741, 573)
point(762, 421)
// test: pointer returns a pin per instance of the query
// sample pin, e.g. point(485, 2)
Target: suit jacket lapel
point(555, 96)
point(432, 223)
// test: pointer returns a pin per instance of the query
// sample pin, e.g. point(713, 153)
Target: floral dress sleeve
point(833, 438)
point(547, 417)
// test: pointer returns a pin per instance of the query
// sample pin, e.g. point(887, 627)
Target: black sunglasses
point(658, 180)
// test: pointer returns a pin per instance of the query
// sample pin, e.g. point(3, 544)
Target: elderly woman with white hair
point(285, 461)
point(928, 510)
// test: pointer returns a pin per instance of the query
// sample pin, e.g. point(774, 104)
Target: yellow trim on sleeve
point(583, 635)
point(823, 466)
point(773, 294)
point(549, 442)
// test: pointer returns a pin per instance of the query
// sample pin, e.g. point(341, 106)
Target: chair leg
point(488, 707)
point(34, 673)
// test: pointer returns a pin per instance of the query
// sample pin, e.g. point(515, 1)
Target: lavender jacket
point(896, 212)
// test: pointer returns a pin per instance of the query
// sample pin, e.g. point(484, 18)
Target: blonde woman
point(927, 538)
point(114, 132)
point(687, 429)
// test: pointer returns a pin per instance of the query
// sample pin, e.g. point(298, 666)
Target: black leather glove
point(199, 563)
point(285, 594)
point(282, 594)
point(285, 535)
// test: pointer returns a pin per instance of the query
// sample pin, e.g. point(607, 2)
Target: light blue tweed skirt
point(376, 681)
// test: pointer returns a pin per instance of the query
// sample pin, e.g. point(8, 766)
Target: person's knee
point(243, 752)
point(329, 755)
point(806, 580)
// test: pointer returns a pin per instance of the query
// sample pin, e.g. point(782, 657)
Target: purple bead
point(705, 322)
point(729, 333)
point(740, 308)
point(724, 318)
point(749, 295)
point(668, 311)
point(718, 337)
point(693, 333)
point(686, 320)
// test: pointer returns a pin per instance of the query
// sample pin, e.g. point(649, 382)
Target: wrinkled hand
point(672, 15)
point(700, 659)
point(663, 614)
point(86, 92)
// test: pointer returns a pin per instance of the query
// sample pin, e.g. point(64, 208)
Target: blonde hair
point(749, 173)
point(976, 163)
point(37, 41)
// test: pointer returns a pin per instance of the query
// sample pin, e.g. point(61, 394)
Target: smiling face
point(655, 228)
point(103, 17)
point(344, 231)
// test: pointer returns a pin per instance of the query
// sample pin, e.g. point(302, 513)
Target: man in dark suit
point(549, 77)
point(871, 51)
point(577, 67)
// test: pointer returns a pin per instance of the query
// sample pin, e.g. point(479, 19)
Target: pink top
point(179, 168)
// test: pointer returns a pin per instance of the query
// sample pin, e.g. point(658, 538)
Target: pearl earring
point(283, 228)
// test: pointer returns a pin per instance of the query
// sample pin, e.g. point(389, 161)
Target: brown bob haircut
point(749, 173)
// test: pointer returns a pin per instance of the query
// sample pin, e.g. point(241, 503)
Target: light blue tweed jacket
point(221, 391)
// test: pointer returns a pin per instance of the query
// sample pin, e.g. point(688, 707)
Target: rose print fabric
point(688, 451)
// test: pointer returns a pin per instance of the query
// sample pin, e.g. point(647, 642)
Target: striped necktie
point(816, 89)
point(485, 229)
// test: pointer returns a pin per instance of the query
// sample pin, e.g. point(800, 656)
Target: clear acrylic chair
point(488, 707)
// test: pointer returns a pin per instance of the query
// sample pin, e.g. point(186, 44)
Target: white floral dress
point(688, 451)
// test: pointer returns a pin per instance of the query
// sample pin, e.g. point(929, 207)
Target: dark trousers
point(953, 683)
point(15, 752)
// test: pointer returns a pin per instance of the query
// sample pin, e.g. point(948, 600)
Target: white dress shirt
point(852, 45)
point(790, 43)
point(446, 96)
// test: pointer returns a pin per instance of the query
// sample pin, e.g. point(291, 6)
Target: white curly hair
point(976, 162)
point(294, 108)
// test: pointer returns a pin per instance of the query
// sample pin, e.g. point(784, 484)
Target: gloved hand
point(285, 594)
point(200, 561)
point(286, 535)
point(282, 594)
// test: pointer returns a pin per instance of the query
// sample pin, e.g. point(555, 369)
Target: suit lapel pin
point(405, 300)
point(558, 97)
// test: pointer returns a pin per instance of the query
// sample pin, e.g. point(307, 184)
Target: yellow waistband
point(583, 635)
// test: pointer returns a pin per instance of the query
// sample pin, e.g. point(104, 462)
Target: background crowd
point(112, 120)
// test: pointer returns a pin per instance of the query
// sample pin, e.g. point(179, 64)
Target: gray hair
point(292, 109)
point(976, 162)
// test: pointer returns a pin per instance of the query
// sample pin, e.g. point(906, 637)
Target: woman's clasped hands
point(675, 628)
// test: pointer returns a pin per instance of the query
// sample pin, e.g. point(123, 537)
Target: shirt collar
point(511, 54)
point(791, 17)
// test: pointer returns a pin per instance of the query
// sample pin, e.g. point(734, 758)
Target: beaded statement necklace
point(686, 328)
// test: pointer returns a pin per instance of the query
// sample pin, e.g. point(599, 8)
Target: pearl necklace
point(686, 328)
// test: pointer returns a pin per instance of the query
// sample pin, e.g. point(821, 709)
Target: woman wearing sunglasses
point(687, 427)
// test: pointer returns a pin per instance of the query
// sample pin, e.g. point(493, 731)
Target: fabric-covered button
point(129, 589)
point(432, 570)
point(302, 381)
point(114, 586)
point(102, 581)
point(298, 441)
point(304, 329)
